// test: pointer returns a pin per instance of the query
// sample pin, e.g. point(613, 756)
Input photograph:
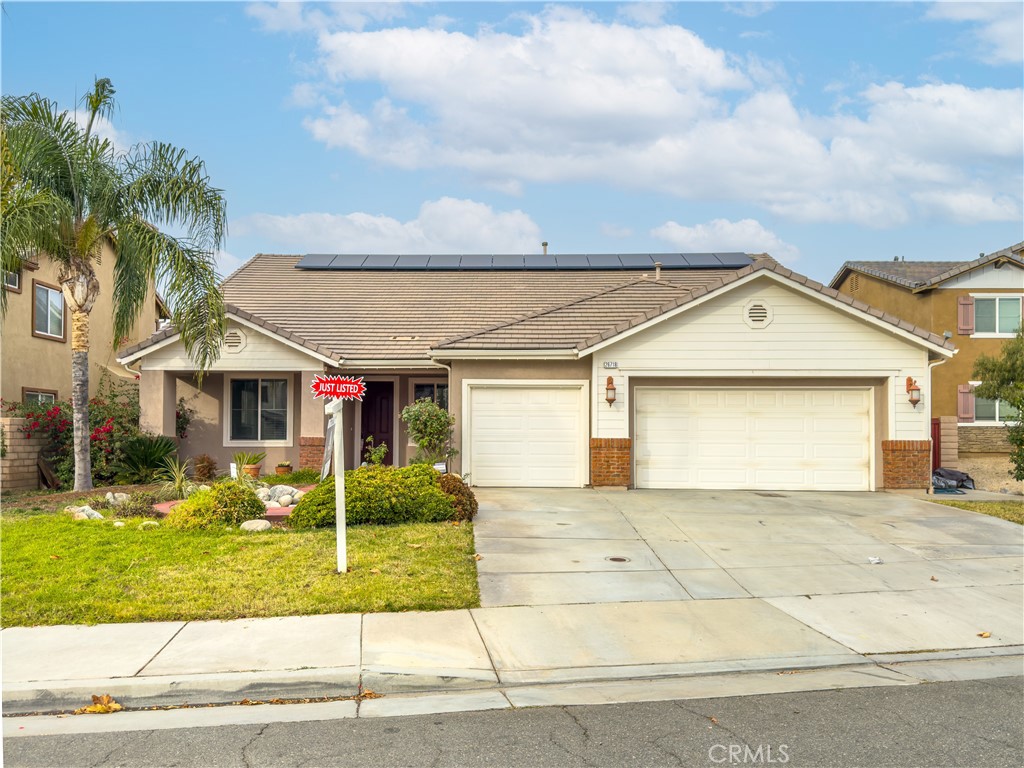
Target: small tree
point(430, 427)
point(1003, 379)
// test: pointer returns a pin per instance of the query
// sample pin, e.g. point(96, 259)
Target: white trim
point(357, 428)
point(583, 385)
point(282, 339)
point(995, 334)
point(977, 423)
point(786, 282)
point(143, 352)
point(505, 354)
point(293, 408)
point(389, 364)
point(761, 373)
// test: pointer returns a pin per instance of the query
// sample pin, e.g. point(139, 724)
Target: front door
point(378, 417)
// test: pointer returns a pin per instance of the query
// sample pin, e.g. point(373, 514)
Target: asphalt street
point(971, 723)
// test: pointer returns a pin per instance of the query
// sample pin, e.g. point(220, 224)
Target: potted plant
point(250, 463)
point(284, 467)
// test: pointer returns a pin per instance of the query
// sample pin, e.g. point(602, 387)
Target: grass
point(59, 571)
point(1007, 510)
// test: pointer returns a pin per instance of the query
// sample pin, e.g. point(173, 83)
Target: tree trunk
point(80, 289)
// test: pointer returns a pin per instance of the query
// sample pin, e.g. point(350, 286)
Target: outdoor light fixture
point(609, 391)
point(914, 391)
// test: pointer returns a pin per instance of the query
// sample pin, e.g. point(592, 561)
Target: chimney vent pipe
point(657, 270)
point(545, 244)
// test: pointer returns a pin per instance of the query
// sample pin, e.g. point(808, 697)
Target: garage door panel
point(794, 439)
point(525, 436)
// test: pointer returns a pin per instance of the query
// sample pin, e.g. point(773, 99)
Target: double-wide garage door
point(784, 439)
point(531, 436)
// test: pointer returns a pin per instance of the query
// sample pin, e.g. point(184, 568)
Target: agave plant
point(175, 474)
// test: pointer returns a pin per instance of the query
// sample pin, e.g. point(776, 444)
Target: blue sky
point(818, 132)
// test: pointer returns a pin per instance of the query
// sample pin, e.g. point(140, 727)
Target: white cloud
point(104, 129)
point(301, 17)
point(615, 230)
point(648, 12)
point(749, 10)
point(997, 34)
point(227, 263)
point(446, 225)
point(575, 99)
point(722, 235)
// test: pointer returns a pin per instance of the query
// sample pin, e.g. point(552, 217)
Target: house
point(637, 370)
point(36, 351)
point(976, 304)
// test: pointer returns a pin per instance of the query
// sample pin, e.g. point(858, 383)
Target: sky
point(816, 132)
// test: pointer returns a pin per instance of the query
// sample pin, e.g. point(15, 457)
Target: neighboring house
point(36, 352)
point(708, 371)
point(976, 304)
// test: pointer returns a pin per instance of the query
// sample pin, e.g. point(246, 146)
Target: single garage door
point(526, 436)
point(771, 439)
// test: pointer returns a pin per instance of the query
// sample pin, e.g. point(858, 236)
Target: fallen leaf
point(414, 546)
point(934, 579)
point(984, 634)
point(713, 720)
point(368, 694)
point(478, 557)
point(55, 557)
point(375, 570)
point(455, 523)
point(101, 705)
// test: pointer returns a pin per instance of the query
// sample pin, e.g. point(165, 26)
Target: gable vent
point(757, 313)
point(234, 341)
point(855, 283)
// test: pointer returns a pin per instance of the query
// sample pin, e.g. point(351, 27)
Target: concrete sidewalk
point(759, 593)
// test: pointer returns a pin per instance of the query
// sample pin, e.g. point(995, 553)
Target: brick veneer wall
point(906, 463)
point(311, 452)
point(610, 461)
point(983, 440)
point(18, 468)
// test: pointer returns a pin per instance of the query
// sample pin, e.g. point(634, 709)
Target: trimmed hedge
point(462, 497)
point(382, 495)
point(225, 503)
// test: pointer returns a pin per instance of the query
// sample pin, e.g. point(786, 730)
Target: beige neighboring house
point(35, 352)
point(636, 370)
point(977, 304)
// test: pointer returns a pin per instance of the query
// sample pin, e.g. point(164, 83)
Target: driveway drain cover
point(617, 559)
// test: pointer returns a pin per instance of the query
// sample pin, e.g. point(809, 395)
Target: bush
point(430, 427)
point(462, 497)
point(204, 467)
point(143, 458)
point(299, 477)
point(378, 496)
point(224, 503)
point(138, 505)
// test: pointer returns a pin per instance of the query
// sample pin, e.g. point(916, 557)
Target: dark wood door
point(378, 417)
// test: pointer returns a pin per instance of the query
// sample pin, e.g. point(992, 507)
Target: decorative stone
point(116, 499)
point(204, 487)
point(84, 513)
point(278, 491)
point(297, 495)
point(285, 501)
point(256, 525)
point(271, 505)
point(119, 524)
point(149, 524)
point(263, 494)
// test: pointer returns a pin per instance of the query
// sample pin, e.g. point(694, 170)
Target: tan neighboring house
point(636, 370)
point(35, 352)
point(977, 305)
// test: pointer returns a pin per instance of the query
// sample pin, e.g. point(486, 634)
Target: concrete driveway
point(945, 576)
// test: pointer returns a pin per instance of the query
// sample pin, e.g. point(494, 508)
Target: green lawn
point(1007, 510)
point(59, 571)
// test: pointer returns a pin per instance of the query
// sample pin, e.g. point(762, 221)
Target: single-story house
point(637, 370)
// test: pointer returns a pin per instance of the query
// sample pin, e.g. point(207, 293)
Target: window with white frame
point(12, 281)
point(997, 315)
point(436, 391)
point(258, 410)
point(48, 311)
point(38, 397)
point(994, 411)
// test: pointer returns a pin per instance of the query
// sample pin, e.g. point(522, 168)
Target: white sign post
point(340, 388)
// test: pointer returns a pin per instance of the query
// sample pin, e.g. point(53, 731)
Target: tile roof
point(591, 320)
point(922, 275)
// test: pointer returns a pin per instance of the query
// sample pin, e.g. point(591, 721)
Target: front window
point(997, 315)
point(437, 392)
point(48, 312)
point(994, 411)
point(259, 409)
point(12, 281)
point(38, 397)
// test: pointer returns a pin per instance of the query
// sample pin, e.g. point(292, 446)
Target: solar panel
point(444, 262)
point(572, 261)
point(604, 261)
point(315, 261)
point(734, 260)
point(379, 261)
point(535, 261)
point(347, 262)
point(474, 261)
point(411, 262)
point(507, 262)
point(671, 260)
point(701, 259)
point(636, 261)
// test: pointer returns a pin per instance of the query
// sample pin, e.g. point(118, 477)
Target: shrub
point(378, 496)
point(204, 468)
point(139, 504)
point(430, 427)
point(174, 473)
point(143, 457)
point(462, 497)
point(224, 503)
point(299, 477)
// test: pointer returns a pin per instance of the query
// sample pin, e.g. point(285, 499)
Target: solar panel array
point(474, 262)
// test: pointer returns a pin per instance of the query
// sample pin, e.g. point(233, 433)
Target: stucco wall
point(41, 363)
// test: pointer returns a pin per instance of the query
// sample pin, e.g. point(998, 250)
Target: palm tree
point(68, 195)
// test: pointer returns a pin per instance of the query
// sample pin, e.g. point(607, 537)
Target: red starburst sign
point(338, 387)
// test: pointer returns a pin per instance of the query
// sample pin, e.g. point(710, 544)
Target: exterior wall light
point(609, 392)
point(914, 391)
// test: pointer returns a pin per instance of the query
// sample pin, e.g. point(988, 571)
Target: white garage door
point(526, 436)
point(785, 439)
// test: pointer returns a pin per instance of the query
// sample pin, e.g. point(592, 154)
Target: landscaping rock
point(119, 524)
point(297, 495)
point(149, 524)
point(277, 491)
point(263, 494)
point(256, 525)
point(285, 501)
point(204, 487)
point(84, 513)
point(116, 499)
point(272, 505)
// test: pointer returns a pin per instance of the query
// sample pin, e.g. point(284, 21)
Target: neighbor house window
point(438, 392)
point(259, 409)
point(994, 411)
point(12, 281)
point(997, 315)
point(47, 311)
point(38, 396)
